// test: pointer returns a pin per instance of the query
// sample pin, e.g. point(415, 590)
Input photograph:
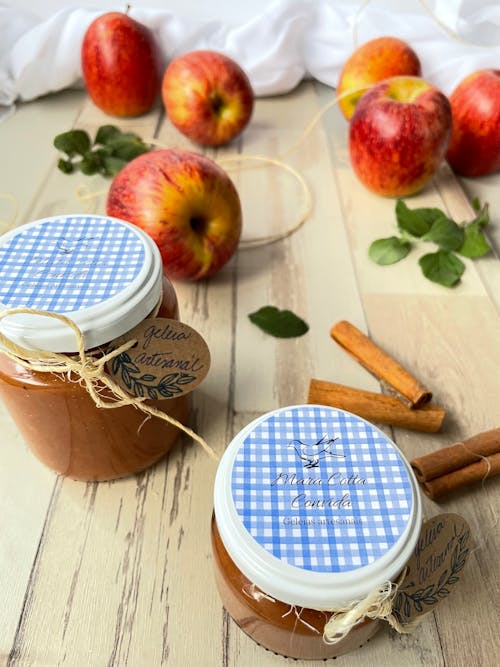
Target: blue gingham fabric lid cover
point(101, 272)
point(316, 506)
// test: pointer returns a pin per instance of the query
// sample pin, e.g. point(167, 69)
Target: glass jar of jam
point(105, 275)
point(314, 509)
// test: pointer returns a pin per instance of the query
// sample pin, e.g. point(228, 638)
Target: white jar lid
point(316, 506)
point(103, 273)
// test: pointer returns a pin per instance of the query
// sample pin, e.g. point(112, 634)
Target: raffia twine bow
point(88, 368)
point(376, 605)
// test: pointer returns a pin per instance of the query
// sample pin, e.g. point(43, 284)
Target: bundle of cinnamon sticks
point(440, 472)
point(410, 409)
point(461, 464)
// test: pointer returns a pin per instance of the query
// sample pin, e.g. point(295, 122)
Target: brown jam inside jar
point(274, 624)
point(72, 436)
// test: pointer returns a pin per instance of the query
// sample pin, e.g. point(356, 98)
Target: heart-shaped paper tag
point(441, 552)
point(169, 359)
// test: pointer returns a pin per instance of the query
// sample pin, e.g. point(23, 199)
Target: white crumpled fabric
point(290, 40)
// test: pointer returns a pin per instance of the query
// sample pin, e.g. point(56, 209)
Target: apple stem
point(127, 8)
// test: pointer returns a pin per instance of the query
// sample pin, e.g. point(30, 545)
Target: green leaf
point(90, 164)
point(389, 250)
point(127, 147)
point(66, 166)
point(279, 323)
point(112, 165)
point(442, 267)
point(417, 221)
point(111, 151)
point(475, 243)
point(445, 233)
point(106, 133)
point(74, 142)
point(483, 216)
point(476, 204)
point(102, 151)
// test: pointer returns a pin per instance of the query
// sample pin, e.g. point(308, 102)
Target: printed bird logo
point(313, 453)
point(67, 246)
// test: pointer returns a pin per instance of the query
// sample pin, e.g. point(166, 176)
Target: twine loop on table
point(306, 194)
point(87, 369)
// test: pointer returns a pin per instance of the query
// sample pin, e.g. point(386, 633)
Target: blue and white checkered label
point(67, 264)
point(321, 489)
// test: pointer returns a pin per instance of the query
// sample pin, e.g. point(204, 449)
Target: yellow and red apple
point(208, 97)
point(474, 148)
point(120, 65)
point(186, 203)
point(398, 135)
point(374, 61)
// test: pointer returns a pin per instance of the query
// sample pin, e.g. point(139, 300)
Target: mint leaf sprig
point(279, 323)
point(431, 225)
point(110, 151)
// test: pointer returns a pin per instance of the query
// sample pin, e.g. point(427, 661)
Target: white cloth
point(290, 40)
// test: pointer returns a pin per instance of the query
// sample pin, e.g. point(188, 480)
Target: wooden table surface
point(121, 573)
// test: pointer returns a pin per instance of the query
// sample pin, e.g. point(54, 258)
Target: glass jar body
point(275, 625)
point(72, 436)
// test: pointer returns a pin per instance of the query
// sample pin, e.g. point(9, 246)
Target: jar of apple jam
point(315, 510)
point(106, 276)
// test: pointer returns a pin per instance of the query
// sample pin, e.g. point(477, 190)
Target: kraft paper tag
point(169, 359)
point(441, 553)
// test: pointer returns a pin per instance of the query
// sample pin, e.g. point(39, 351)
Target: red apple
point(398, 135)
point(474, 148)
point(186, 203)
point(374, 61)
point(120, 65)
point(208, 97)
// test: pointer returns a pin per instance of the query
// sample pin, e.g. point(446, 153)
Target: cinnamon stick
point(376, 407)
point(470, 474)
point(458, 455)
point(380, 363)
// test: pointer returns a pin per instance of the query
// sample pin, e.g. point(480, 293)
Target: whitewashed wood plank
point(449, 338)
point(467, 385)
point(139, 554)
point(459, 208)
point(26, 487)
point(487, 189)
point(47, 192)
point(370, 217)
point(28, 154)
point(314, 267)
point(135, 554)
point(310, 272)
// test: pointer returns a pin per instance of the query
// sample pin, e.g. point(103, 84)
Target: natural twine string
point(89, 369)
point(306, 193)
point(490, 529)
point(376, 605)
point(83, 194)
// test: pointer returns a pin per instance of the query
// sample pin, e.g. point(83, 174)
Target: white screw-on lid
point(103, 273)
point(316, 506)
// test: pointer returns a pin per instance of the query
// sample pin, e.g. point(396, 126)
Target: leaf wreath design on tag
point(440, 555)
point(146, 384)
point(169, 359)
